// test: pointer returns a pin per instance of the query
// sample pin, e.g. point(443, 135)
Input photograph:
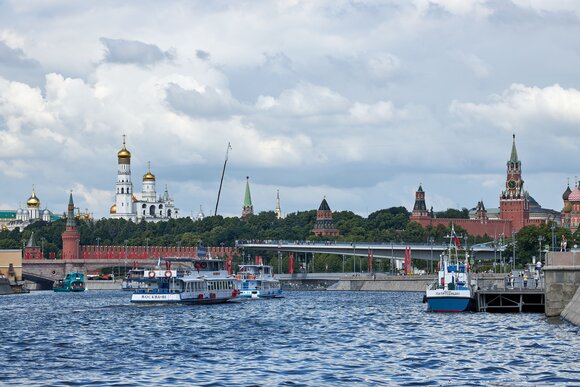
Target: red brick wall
point(472, 226)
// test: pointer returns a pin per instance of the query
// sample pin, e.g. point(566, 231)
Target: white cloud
point(520, 106)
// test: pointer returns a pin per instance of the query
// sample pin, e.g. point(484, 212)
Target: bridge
point(429, 252)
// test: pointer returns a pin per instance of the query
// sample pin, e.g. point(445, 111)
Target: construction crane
point(222, 179)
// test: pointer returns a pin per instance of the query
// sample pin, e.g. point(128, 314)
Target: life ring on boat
point(151, 274)
point(204, 265)
point(168, 274)
point(238, 277)
point(251, 277)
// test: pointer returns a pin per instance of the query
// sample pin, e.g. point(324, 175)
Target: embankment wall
point(571, 312)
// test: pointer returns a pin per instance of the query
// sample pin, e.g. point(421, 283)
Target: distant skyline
point(358, 101)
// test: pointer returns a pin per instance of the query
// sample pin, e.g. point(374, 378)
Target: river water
point(307, 338)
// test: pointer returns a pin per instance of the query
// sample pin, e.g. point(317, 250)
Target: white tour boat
point(257, 281)
point(192, 281)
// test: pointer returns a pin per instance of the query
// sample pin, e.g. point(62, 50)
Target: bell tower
point(513, 201)
point(124, 188)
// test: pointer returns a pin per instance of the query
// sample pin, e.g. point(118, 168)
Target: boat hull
point(184, 298)
point(449, 304)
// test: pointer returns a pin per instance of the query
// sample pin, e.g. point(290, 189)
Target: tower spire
point(248, 208)
point(278, 210)
point(514, 155)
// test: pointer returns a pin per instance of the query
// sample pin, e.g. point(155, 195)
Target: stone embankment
point(562, 276)
point(103, 285)
point(409, 283)
point(5, 287)
point(572, 311)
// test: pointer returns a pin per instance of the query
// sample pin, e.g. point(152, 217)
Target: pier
point(520, 296)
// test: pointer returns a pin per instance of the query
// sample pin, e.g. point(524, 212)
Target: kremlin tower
point(71, 236)
point(513, 201)
point(324, 224)
point(420, 208)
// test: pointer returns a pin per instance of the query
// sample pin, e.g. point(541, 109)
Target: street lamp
point(514, 250)
point(42, 247)
point(540, 239)
point(98, 250)
point(147, 247)
point(554, 236)
point(353, 258)
point(431, 240)
point(125, 256)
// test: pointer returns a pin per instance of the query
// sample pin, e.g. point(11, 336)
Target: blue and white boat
point(453, 291)
point(257, 281)
point(187, 280)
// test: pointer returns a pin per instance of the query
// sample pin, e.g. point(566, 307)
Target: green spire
point(248, 197)
point(514, 155)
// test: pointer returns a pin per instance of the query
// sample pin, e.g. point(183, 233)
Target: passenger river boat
point(257, 281)
point(73, 282)
point(454, 290)
point(187, 280)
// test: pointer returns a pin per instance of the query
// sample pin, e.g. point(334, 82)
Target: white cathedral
point(147, 206)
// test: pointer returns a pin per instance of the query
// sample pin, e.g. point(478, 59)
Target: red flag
point(455, 238)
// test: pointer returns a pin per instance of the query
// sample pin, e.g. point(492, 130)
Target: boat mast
point(222, 178)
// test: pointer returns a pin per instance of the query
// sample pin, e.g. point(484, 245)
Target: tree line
point(386, 226)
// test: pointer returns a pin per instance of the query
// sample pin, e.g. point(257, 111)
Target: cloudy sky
point(358, 101)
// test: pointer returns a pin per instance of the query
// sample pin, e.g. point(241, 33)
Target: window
point(122, 190)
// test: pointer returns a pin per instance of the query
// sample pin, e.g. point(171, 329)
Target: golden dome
point(113, 209)
point(124, 153)
point(33, 201)
point(149, 176)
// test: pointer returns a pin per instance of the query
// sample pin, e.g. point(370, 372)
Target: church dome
point(574, 195)
point(113, 209)
point(19, 211)
point(149, 176)
point(124, 153)
point(33, 201)
point(566, 193)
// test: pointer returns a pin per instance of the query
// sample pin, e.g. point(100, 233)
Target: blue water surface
point(307, 338)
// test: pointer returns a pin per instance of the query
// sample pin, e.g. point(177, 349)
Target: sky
point(357, 101)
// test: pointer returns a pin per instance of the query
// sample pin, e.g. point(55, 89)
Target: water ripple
point(308, 338)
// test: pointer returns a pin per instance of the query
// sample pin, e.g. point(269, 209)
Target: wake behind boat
point(191, 281)
point(453, 291)
point(257, 281)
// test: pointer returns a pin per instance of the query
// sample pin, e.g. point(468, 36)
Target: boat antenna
point(222, 178)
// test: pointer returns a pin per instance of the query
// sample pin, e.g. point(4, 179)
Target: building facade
point(571, 210)
point(139, 206)
point(22, 217)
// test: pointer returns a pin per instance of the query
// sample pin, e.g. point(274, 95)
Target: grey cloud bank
point(358, 101)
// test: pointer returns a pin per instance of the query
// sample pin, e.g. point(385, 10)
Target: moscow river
point(307, 338)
